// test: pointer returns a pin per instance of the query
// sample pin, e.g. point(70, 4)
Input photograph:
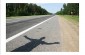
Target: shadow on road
point(32, 44)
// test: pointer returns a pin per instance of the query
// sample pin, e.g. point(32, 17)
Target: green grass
point(74, 18)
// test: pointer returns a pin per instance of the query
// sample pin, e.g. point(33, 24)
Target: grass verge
point(72, 18)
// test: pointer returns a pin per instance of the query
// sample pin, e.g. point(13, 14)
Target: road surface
point(56, 35)
point(18, 25)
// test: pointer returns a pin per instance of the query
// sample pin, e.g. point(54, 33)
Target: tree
point(24, 9)
point(70, 9)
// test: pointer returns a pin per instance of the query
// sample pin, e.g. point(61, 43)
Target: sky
point(51, 7)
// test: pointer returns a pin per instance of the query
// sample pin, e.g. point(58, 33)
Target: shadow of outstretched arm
point(32, 44)
point(43, 42)
point(28, 38)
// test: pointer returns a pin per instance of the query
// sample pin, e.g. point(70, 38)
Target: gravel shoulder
point(69, 35)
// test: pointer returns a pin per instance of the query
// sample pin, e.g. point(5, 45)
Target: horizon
point(51, 7)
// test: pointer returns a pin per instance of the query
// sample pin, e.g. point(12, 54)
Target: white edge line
point(20, 33)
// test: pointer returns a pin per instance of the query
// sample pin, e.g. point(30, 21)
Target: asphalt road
point(45, 37)
point(55, 35)
point(14, 27)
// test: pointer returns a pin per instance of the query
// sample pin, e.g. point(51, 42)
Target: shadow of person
point(32, 44)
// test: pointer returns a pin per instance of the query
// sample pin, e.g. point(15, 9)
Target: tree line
point(24, 9)
point(69, 9)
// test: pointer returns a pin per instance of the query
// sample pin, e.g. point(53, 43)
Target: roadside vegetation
point(24, 9)
point(70, 11)
point(72, 18)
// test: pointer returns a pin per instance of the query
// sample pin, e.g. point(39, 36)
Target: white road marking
point(14, 36)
